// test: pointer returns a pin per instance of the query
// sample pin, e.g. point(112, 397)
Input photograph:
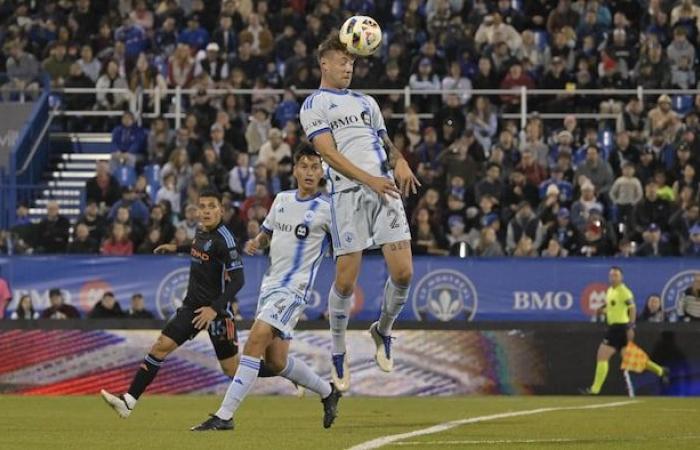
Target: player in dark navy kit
point(216, 275)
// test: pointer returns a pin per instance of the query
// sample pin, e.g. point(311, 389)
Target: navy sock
point(145, 375)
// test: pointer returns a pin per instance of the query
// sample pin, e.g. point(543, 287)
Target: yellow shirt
point(617, 302)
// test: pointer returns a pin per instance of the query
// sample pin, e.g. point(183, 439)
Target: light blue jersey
point(355, 122)
point(300, 230)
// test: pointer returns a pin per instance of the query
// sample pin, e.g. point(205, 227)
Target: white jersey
point(355, 121)
point(300, 238)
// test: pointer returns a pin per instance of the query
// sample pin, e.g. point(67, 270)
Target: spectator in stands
point(103, 188)
point(118, 243)
point(78, 102)
point(524, 223)
point(107, 308)
point(654, 244)
point(111, 79)
point(594, 242)
point(138, 308)
point(428, 238)
point(58, 309)
point(597, 170)
point(651, 210)
point(225, 37)
point(581, 208)
point(83, 243)
point(689, 305)
point(626, 192)
point(153, 240)
point(680, 47)
point(25, 309)
point(215, 172)
point(693, 248)
point(564, 232)
point(425, 79)
point(91, 66)
point(518, 189)
point(457, 238)
point(195, 36)
point(274, 148)
point(562, 16)
point(222, 148)
point(52, 231)
point(168, 191)
point(491, 184)
point(653, 310)
point(23, 70)
point(261, 198)
point(531, 168)
point(128, 142)
point(57, 65)
point(663, 119)
point(257, 130)
point(515, 79)
point(161, 222)
point(239, 176)
point(137, 209)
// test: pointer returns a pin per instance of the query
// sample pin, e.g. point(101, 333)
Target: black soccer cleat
point(585, 391)
point(330, 406)
point(214, 423)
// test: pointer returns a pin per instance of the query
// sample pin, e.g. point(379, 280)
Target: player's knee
point(403, 276)
point(276, 364)
point(161, 348)
point(344, 287)
point(228, 370)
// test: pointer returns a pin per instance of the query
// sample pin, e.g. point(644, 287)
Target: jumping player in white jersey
point(297, 230)
point(347, 129)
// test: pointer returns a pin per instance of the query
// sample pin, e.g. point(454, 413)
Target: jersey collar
point(335, 91)
point(302, 200)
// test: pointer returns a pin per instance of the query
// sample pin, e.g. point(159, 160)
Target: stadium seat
point(125, 175)
point(682, 104)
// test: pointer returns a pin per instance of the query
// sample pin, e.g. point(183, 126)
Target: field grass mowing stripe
point(382, 441)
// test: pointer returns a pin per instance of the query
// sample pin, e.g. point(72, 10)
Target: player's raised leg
point(400, 264)
point(340, 299)
point(123, 404)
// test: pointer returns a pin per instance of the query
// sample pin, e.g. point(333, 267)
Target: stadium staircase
point(72, 161)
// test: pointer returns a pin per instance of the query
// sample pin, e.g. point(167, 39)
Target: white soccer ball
point(361, 35)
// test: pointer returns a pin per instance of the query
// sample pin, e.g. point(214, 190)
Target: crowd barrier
point(444, 289)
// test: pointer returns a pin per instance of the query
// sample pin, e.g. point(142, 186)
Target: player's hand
point(205, 316)
point(630, 335)
point(165, 248)
point(251, 247)
point(382, 186)
point(408, 183)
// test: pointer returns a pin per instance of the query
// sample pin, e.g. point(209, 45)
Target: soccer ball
point(361, 35)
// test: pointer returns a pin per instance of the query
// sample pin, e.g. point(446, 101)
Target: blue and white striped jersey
point(300, 231)
point(355, 121)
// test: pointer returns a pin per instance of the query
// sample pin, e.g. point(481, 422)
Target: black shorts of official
point(222, 332)
point(616, 336)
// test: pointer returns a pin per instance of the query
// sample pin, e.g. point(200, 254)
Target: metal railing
point(177, 112)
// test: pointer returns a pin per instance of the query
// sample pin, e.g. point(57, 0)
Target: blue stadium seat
point(606, 138)
point(541, 39)
point(152, 174)
point(125, 175)
point(682, 104)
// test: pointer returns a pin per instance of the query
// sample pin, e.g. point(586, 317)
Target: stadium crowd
point(554, 188)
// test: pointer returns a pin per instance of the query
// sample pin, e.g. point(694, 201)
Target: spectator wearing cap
point(596, 169)
point(581, 208)
point(212, 64)
point(549, 207)
point(565, 188)
point(689, 305)
point(456, 236)
point(424, 79)
point(515, 79)
point(138, 308)
point(194, 35)
point(693, 247)
point(524, 223)
point(663, 119)
point(58, 309)
point(564, 232)
point(107, 308)
point(595, 242)
point(626, 192)
point(654, 245)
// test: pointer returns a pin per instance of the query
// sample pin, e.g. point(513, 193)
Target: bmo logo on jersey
point(344, 122)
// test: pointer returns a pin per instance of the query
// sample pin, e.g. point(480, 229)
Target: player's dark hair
point(332, 44)
point(618, 268)
point(305, 150)
point(209, 192)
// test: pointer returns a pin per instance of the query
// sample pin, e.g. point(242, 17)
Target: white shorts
point(362, 220)
point(281, 309)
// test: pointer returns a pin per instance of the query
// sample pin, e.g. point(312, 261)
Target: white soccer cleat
point(340, 372)
point(382, 356)
point(117, 403)
point(299, 390)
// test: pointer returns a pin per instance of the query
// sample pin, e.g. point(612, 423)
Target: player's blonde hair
point(332, 44)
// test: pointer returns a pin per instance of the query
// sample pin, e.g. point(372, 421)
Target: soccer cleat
point(382, 356)
point(586, 391)
point(340, 372)
point(666, 376)
point(300, 390)
point(330, 406)
point(214, 423)
point(118, 403)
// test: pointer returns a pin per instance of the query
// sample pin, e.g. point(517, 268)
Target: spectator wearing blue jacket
point(138, 210)
point(134, 38)
point(287, 110)
point(566, 189)
point(194, 35)
point(128, 142)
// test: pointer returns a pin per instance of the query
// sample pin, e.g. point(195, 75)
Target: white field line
point(691, 437)
point(382, 441)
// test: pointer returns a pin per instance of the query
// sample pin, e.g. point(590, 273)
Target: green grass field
point(291, 423)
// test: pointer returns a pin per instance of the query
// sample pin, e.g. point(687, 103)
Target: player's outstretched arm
point(325, 146)
point(407, 181)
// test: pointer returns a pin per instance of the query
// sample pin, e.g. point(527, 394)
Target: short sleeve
point(268, 224)
point(229, 256)
point(313, 118)
point(376, 119)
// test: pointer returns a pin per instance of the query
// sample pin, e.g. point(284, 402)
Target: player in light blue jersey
point(364, 169)
point(296, 230)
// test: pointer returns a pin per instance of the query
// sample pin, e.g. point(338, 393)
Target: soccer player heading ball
point(367, 176)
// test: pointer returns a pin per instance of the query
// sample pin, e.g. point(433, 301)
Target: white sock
point(300, 373)
point(338, 316)
point(130, 400)
point(245, 376)
point(394, 299)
